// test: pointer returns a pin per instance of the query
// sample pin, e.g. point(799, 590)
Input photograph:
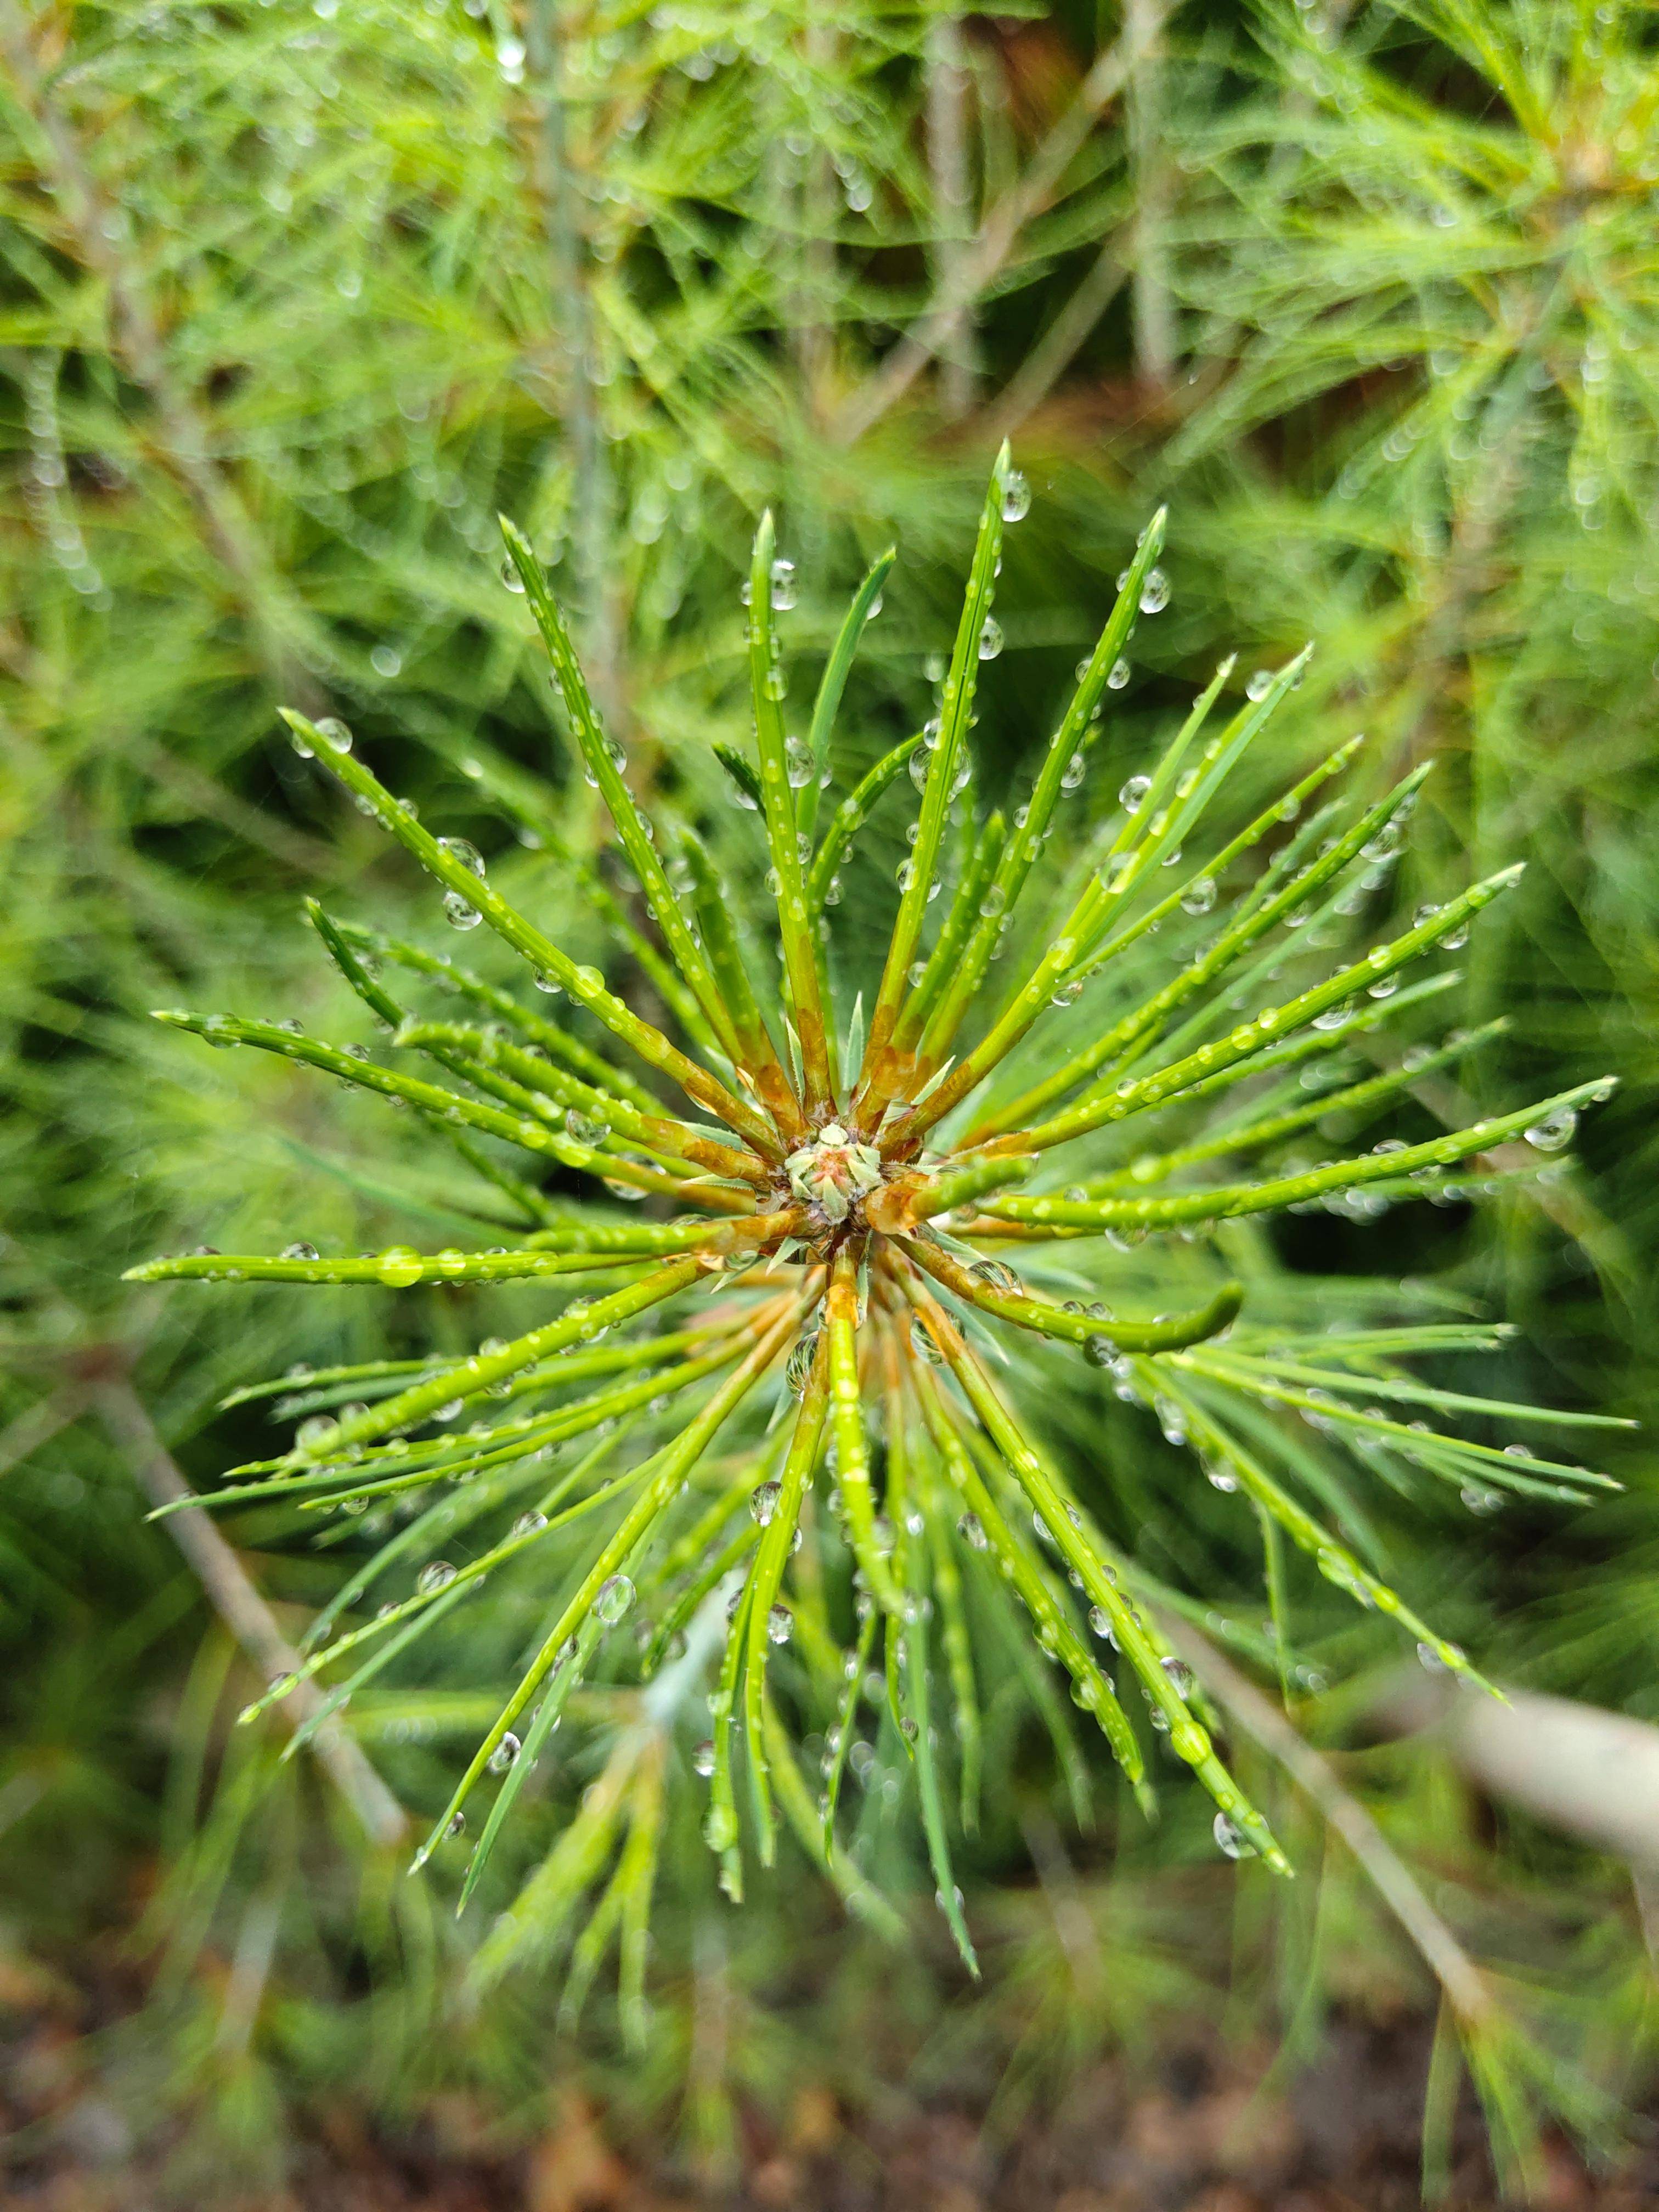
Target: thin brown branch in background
point(246, 1613)
point(37, 1425)
point(948, 170)
point(995, 241)
point(1464, 1983)
point(592, 492)
point(1059, 346)
point(1153, 320)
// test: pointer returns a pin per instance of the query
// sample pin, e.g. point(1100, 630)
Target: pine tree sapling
point(786, 1409)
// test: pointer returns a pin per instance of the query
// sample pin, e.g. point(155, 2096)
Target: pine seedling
point(788, 1380)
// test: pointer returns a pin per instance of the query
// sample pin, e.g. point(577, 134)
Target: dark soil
point(1201, 2130)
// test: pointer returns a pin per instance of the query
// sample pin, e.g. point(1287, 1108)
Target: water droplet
point(780, 1624)
point(616, 1596)
point(1230, 1838)
point(783, 585)
point(317, 1435)
point(1133, 793)
point(505, 1753)
point(462, 849)
point(1198, 898)
point(399, 1265)
point(703, 1758)
point(1260, 684)
point(333, 732)
point(510, 575)
point(763, 1501)
point(1180, 1673)
point(719, 1828)
point(300, 1252)
point(1154, 592)
point(1480, 1500)
point(798, 1368)
point(1016, 497)
point(1554, 1132)
point(460, 913)
point(990, 639)
point(971, 1529)
point(436, 1577)
point(1075, 769)
point(455, 1825)
point(528, 1523)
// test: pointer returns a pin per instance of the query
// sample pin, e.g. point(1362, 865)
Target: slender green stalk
point(784, 832)
point(956, 708)
point(833, 683)
point(586, 986)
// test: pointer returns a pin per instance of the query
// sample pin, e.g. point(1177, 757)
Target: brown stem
point(549, 33)
point(982, 260)
point(1154, 315)
point(245, 1613)
point(947, 166)
point(1059, 346)
point(37, 1425)
point(1465, 1985)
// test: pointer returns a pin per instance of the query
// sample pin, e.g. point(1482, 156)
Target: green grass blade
point(833, 683)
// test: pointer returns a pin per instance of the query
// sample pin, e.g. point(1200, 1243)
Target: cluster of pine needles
point(778, 1457)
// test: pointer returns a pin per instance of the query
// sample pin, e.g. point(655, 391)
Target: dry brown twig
point(244, 1612)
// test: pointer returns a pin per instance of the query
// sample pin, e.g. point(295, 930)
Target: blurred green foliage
point(294, 299)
